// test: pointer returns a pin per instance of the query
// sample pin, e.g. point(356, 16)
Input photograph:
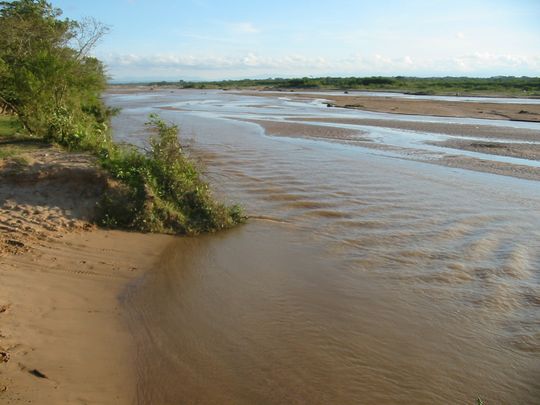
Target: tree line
point(509, 85)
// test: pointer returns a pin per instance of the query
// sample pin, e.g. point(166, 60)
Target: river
point(364, 275)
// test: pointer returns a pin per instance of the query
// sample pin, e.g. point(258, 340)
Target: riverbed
point(371, 269)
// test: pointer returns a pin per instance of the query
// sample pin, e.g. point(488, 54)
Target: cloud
point(245, 28)
point(249, 64)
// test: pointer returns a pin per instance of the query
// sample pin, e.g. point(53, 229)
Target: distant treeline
point(528, 86)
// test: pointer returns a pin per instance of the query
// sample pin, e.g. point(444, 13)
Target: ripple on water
point(361, 278)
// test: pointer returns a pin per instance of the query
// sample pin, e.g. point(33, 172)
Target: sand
point(289, 129)
point(491, 145)
point(485, 131)
point(496, 138)
point(517, 150)
point(490, 166)
point(497, 111)
point(63, 339)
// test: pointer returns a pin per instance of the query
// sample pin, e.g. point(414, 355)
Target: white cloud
point(250, 64)
point(245, 28)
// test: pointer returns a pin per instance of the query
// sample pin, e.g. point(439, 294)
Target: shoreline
point(436, 108)
point(65, 339)
point(494, 140)
point(66, 336)
point(120, 88)
point(487, 131)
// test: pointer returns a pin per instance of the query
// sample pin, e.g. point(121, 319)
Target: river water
point(362, 277)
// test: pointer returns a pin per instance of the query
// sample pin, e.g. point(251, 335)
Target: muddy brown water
point(362, 277)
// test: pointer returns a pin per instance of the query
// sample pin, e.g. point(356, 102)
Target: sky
point(228, 39)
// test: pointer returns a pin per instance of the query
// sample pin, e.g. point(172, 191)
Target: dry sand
point(484, 131)
point(517, 112)
point(62, 336)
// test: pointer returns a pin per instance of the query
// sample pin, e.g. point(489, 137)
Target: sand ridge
point(287, 129)
point(53, 193)
point(485, 131)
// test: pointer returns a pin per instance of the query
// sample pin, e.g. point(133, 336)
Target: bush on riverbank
point(162, 190)
point(49, 81)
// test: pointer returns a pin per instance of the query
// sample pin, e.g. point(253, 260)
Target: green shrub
point(53, 85)
point(162, 190)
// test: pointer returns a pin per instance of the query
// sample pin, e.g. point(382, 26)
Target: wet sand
point(485, 131)
point(361, 138)
point(62, 335)
point(489, 166)
point(289, 129)
point(516, 112)
point(518, 150)
point(63, 329)
point(497, 111)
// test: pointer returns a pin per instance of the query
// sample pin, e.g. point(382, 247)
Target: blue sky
point(208, 39)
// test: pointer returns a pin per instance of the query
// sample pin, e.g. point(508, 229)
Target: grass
point(13, 152)
point(13, 143)
point(9, 126)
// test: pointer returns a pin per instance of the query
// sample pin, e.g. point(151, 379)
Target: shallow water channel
point(362, 277)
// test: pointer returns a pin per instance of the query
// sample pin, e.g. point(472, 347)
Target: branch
point(89, 33)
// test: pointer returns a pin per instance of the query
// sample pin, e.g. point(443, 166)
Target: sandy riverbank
point(289, 129)
point(62, 335)
point(485, 131)
point(492, 140)
point(489, 146)
point(395, 105)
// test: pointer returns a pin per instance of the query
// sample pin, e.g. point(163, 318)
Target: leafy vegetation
point(52, 85)
point(503, 85)
point(47, 77)
point(162, 189)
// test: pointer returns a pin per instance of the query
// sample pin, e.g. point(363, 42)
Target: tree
point(46, 74)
